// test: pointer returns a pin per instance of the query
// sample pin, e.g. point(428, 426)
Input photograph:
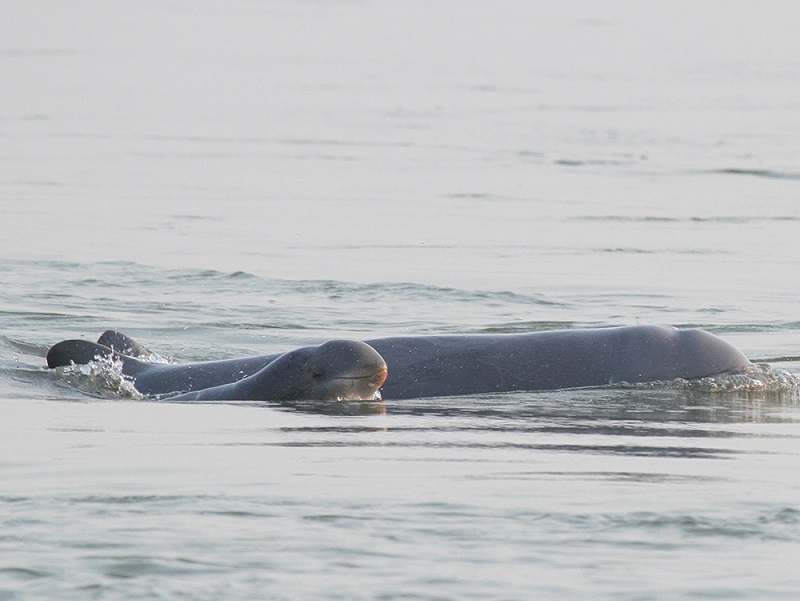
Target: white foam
point(101, 377)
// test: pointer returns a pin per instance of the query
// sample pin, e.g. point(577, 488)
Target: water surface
point(221, 181)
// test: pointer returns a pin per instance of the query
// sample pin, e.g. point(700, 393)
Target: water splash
point(755, 378)
point(101, 377)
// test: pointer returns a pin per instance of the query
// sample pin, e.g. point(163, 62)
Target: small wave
point(756, 378)
point(21, 346)
point(156, 358)
point(526, 327)
point(768, 173)
point(596, 162)
point(770, 523)
point(722, 219)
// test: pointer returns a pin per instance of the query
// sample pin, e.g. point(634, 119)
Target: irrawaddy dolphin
point(425, 366)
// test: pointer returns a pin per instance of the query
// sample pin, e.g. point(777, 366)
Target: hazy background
point(376, 141)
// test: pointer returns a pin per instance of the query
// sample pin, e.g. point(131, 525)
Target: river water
point(221, 180)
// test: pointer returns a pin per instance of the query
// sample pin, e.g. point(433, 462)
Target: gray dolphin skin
point(335, 370)
point(432, 366)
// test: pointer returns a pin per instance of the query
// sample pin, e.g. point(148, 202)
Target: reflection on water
point(651, 406)
point(137, 496)
point(334, 408)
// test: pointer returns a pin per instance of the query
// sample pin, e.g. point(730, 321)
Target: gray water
point(228, 179)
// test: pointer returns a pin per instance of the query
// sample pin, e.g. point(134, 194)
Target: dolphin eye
point(317, 375)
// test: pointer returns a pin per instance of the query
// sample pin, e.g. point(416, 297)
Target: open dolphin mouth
point(364, 387)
